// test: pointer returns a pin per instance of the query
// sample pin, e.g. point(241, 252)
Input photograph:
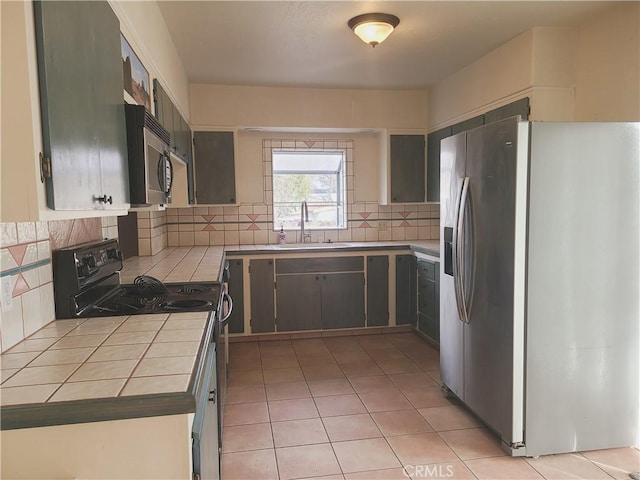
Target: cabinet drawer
point(429, 326)
point(320, 264)
point(427, 297)
point(427, 269)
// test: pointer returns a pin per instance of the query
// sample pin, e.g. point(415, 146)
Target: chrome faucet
point(304, 217)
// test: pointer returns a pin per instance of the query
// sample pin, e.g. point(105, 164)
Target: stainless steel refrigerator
point(539, 308)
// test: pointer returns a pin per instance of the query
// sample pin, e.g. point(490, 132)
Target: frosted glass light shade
point(373, 28)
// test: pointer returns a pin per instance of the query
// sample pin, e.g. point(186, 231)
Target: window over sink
point(315, 176)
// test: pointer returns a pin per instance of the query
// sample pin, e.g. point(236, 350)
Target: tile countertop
point(106, 368)
point(428, 247)
point(177, 264)
point(83, 370)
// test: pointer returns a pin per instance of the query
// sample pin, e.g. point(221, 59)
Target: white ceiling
point(308, 43)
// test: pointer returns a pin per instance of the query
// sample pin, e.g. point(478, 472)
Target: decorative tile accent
point(18, 252)
point(20, 286)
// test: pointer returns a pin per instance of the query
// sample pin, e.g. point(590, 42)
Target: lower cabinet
point(342, 300)
point(329, 294)
point(262, 303)
point(318, 293)
point(298, 302)
point(429, 298)
point(406, 290)
point(236, 321)
point(377, 290)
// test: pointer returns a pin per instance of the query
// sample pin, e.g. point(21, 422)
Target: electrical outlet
point(382, 225)
point(7, 300)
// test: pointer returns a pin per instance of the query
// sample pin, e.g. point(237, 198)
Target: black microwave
point(150, 168)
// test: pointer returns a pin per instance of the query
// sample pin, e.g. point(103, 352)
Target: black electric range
point(86, 283)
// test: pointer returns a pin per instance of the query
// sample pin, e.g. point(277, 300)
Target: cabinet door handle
point(104, 199)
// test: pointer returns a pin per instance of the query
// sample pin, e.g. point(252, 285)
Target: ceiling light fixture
point(373, 28)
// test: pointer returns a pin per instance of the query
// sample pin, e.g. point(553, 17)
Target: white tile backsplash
point(11, 325)
point(8, 234)
point(26, 232)
point(30, 272)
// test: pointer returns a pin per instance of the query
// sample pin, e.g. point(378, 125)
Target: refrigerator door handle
point(466, 240)
point(458, 252)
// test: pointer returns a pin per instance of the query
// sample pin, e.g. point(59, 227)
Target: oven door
point(205, 433)
point(159, 169)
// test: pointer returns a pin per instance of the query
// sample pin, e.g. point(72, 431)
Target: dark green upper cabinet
point(171, 119)
point(82, 106)
point(215, 167)
point(433, 163)
point(407, 161)
point(474, 122)
point(519, 107)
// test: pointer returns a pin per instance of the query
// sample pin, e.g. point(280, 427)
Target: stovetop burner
point(192, 289)
point(190, 305)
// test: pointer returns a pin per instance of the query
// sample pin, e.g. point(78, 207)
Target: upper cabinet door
point(519, 107)
point(83, 126)
point(114, 166)
point(467, 125)
point(433, 163)
point(407, 158)
point(215, 167)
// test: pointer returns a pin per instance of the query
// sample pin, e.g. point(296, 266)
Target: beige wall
point(501, 73)
point(20, 142)
point(608, 66)
point(221, 105)
point(591, 72)
point(291, 109)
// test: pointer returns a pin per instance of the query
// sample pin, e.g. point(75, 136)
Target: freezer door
point(583, 361)
point(452, 164)
point(488, 342)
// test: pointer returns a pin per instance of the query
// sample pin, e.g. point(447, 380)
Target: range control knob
point(90, 260)
point(114, 253)
point(86, 264)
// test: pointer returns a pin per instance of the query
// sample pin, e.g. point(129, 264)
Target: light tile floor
point(369, 407)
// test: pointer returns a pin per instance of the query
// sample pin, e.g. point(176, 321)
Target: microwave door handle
point(170, 179)
point(160, 172)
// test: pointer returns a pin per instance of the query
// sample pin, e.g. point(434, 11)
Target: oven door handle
point(227, 298)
